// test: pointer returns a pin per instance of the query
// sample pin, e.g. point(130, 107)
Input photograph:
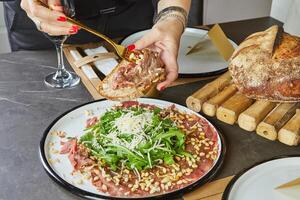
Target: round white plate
point(73, 123)
point(259, 182)
point(203, 63)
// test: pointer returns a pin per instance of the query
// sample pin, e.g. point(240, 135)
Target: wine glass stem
point(60, 59)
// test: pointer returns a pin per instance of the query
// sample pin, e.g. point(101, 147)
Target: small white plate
point(203, 63)
point(73, 123)
point(259, 182)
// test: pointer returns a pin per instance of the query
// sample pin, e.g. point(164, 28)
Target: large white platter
point(73, 123)
point(260, 181)
point(206, 62)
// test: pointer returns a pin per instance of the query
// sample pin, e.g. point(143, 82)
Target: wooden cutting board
point(92, 84)
point(210, 191)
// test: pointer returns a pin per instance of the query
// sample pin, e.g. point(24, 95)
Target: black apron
point(114, 18)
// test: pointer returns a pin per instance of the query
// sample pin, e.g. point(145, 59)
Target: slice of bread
point(148, 71)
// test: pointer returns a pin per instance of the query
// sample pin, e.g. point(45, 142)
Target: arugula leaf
point(164, 140)
point(168, 159)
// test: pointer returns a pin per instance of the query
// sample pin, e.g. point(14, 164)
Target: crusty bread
point(107, 90)
point(267, 66)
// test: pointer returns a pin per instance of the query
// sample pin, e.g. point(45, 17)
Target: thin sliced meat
point(146, 66)
point(188, 124)
point(72, 160)
point(91, 122)
point(68, 146)
point(128, 104)
point(209, 131)
point(109, 185)
point(205, 165)
point(81, 161)
point(77, 159)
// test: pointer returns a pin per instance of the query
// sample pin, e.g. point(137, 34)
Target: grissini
point(196, 100)
point(229, 111)
point(210, 107)
point(290, 133)
point(130, 80)
point(249, 119)
point(276, 119)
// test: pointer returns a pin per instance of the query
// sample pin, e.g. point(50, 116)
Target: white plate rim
point(90, 195)
point(232, 182)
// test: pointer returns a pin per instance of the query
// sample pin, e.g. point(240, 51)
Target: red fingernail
point(62, 19)
point(75, 27)
point(162, 88)
point(131, 47)
point(72, 31)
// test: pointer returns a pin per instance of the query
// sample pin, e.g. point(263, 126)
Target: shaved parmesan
point(133, 126)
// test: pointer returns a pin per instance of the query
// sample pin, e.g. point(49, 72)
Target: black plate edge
point(188, 75)
point(229, 187)
point(206, 74)
point(88, 195)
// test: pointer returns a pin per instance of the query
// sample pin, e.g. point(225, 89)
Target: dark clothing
point(114, 18)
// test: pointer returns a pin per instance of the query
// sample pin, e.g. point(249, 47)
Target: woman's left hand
point(165, 36)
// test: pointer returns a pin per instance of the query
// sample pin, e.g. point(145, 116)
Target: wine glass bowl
point(62, 78)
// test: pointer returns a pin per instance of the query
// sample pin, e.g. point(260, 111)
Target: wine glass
point(62, 78)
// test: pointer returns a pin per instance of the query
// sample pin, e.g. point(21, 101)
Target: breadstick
point(290, 133)
point(196, 100)
point(210, 107)
point(270, 126)
point(249, 119)
point(229, 111)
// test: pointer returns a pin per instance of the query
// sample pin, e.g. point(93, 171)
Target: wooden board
point(92, 85)
point(274, 121)
point(210, 191)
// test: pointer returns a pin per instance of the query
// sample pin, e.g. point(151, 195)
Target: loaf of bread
point(266, 65)
point(130, 80)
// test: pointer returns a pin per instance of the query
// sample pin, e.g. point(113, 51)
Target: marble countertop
point(28, 106)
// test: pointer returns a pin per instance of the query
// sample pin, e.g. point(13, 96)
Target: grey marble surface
point(27, 107)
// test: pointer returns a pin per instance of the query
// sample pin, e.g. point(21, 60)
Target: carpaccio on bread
point(130, 80)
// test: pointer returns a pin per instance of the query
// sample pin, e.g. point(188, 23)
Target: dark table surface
point(28, 107)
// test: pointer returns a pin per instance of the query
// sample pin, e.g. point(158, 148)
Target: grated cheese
point(133, 126)
point(129, 123)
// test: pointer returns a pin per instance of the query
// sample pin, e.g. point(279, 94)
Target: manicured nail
point(131, 47)
point(75, 27)
point(162, 88)
point(72, 31)
point(62, 19)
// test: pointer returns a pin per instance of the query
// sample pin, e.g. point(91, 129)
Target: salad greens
point(135, 137)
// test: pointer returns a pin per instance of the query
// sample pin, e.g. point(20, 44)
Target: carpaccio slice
point(144, 70)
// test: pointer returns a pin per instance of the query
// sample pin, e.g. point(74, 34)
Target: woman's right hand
point(52, 21)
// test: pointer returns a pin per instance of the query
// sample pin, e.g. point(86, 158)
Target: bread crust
point(128, 93)
point(262, 69)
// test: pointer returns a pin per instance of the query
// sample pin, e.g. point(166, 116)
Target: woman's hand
point(51, 21)
point(164, 36)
